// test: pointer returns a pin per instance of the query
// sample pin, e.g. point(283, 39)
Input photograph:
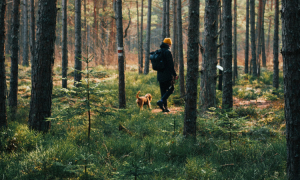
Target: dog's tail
point(137, 95)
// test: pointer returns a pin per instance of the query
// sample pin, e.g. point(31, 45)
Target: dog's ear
point(149, 97)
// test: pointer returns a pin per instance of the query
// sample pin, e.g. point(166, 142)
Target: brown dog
point(144, 100)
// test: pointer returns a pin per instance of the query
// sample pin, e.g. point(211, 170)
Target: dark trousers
point(166, 89)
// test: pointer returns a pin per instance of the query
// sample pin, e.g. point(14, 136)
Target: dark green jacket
point(169, 72)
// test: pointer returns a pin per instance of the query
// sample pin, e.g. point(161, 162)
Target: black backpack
point(156, 58)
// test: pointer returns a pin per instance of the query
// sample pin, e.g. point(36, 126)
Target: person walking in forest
point(167, 76)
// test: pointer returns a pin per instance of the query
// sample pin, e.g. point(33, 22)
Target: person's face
point(169, 45)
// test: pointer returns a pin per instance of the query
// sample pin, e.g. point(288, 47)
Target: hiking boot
point(166, 110)
point(160, 104)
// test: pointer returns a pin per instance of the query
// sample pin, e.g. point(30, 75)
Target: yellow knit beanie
point(167, 41)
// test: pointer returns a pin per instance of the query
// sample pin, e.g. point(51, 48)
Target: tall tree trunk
point(84, 42)
point(103, 26)
point(164, 20)
point(259, 43)
point(96, 45)
point(275, 46)
point(3, 117)
point(13, 91)
point(64, 44)
point(268, 38)
point(247, 39)
point(146, 70)
point(209, 71)
point(220, 48)
point(175, 35)
point(227, 101)
point(168, 18)
point(138, 37)
point(263, 47)
point(235, 71)
point(122, 99)
point(42, 68)
point(25, 34)
point(141, 42)
point(252, 32)
point(8, 27)
point(32, 30)
point(190, 112)
point(180, 49)
point(78, 64)
point(291, 57)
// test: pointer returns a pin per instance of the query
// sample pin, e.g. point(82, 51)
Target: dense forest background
point(70, 71)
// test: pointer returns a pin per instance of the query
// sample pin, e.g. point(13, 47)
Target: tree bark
point(122, 99)
point(227, 101)
point(8, 28)
point(259, 33)
point(235, 71)
point(146, 70)
point(209, 71)
point(141, 41)
point(190, 112)
point(247, 39)
point(138, 37)
point(252, 32)
point(25, 34)
point(3, 116)
point(103, 27)
point(78, 64)
point(263, 46)
point(13, 91)
point(32, 30)
point(164, 20)
point(96, 45)
point(291, 57)
point(180, 50)
point(64, 45)
point(168, 18)
point(175, 37)
point(220, 48)
point(42, 68)
point(275, 46)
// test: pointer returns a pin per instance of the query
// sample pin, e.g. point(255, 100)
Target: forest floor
point(246, 143)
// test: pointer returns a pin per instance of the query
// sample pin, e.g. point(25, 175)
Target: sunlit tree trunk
point(227, 101)
point(275, 46)
point(64, 44)
point(3, 116)
point(42, 68)
point(209, 71)
point(180, 50)
point(146, 70)
point(190, 111)
point(291, 57)
point(78, 64)
point(13, 91)
point(252, 32)
point(247, 39)
point(122, 99)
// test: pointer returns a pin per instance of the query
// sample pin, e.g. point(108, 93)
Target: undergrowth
point(244, 143)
